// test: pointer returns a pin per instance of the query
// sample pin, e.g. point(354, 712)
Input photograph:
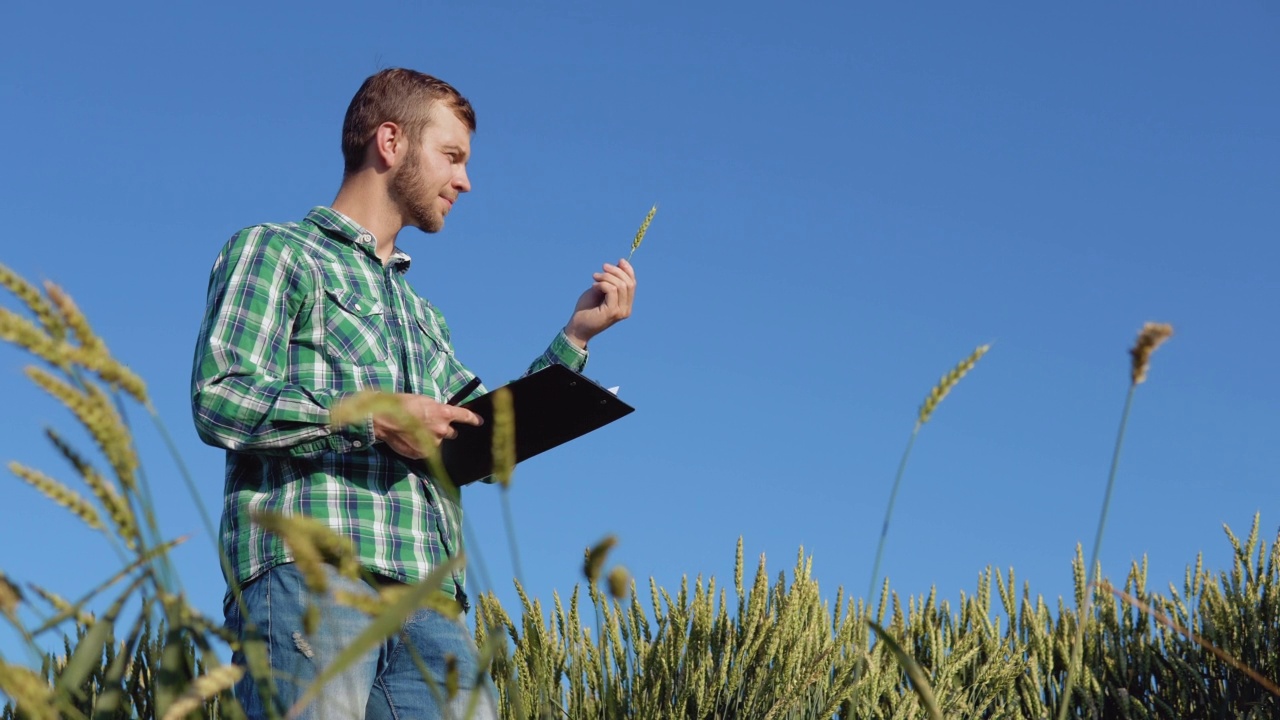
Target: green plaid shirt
point(300, 315)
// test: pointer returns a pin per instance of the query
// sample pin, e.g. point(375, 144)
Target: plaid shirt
point(300, 315)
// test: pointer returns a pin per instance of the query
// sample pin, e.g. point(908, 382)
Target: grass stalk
point(1150, 337)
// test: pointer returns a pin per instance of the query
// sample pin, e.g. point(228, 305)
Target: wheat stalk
point(930, 404)
point(1149, 338)
point(644, 228)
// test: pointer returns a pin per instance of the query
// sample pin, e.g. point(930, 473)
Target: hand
point(607, 301)
point(400, 431)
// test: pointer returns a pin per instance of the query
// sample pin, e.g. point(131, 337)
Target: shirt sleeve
point(560, 352)
point(240, 397)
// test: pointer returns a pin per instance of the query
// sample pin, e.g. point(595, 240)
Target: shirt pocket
point(433, 333)
point(354, 327)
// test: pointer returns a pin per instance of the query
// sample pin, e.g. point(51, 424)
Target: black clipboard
point(552, 406)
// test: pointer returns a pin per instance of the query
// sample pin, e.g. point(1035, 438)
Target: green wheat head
point(644, 227)
point(947, 382)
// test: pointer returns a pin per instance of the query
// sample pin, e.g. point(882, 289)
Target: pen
point(465, 391)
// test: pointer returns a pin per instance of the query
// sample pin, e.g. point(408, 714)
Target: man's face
point(434, 172)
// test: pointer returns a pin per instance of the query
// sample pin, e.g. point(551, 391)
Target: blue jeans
point(384, 685)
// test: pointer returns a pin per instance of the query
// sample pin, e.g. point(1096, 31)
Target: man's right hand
point(435, 418)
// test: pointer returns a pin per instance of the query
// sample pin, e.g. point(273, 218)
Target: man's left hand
point(607, 301)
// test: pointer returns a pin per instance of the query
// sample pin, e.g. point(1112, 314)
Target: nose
point(461, 182)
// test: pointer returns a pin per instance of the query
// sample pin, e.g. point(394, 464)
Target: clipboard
point(552, 406)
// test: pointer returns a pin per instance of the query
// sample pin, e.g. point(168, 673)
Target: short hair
point(397, 95)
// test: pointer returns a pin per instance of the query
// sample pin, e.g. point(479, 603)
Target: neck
point(363, 197)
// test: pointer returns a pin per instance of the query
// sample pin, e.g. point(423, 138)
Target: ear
point(388, 145)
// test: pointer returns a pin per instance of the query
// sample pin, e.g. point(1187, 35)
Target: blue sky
point(851, 199)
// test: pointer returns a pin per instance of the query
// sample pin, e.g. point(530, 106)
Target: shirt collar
point(349, 230)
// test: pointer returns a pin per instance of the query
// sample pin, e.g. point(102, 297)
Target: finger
point(464, 416)
point(626, 283)
point(611, 292)
point(620, 293)
point(627, 267)
point(619, 273)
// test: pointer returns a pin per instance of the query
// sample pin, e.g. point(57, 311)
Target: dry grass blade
point(1270, 686)
point(644, 228)
point(947, 382)
point(203, 688)
point(1150, 337)
point(60, 494)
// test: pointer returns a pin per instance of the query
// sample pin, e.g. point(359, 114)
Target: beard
point(408, 188)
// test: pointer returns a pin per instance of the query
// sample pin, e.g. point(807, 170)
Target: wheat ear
point(10, 598)
point(644, 228)
point(116, 506)
point(203, 688)
point(30, 692)
point(60, 494)
point(22, 332)
point(594, 561)
point(504, 436)
point(1150, 337)
point(93, 353)
point(95, 411)
point(31, 297)
point(63, 606)
point(947, 382)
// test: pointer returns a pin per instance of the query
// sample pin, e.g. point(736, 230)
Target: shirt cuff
point(353, 437)
point(349, 438)
point(566, 353)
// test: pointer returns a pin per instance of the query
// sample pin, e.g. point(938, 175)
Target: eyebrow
point(457, 149)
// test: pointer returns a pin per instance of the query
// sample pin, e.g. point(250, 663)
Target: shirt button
point(358, 443)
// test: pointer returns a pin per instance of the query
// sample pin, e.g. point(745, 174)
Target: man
point(301, 315)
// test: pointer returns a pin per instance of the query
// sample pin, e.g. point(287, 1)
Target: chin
point(429, 223)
